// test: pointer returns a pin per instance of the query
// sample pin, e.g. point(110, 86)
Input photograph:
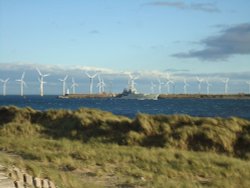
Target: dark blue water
point(194, 107)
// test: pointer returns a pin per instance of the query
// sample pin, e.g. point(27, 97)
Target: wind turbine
point(168, 82)
point(4, 85)
point(208, 86)
point(91, 77)
point(22, 83)
point(40, 79)
point(159, 86)
point(74, 85)
point(226, 85)
point(64, 84)
point(173, 82)
point(168, 85)
point(131, 82)
point(248, 83)
point(185, 86)
point(152, 88)
point(101, 84)
point(200, 80)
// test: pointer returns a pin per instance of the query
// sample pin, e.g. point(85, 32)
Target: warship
point(133, 94)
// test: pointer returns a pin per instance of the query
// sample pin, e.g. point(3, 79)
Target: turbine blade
point(99, 77)
point(65, 78)
point(23, 76)
point(136, 77)
point(24, 83)
point(87, 74)
point(39, 72)
point(94, 75)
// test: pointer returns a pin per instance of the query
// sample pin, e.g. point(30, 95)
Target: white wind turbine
point(160, 83)
point(91, 77)
point(169, 81)
point(152, 88)
point(131, 82)
point(64, 84)
point(74, 85)
point(173, 82)
point(22, 83)
point(101, 84)
point(4, 85)
point(208, 87)
point(226, 85)
point(40, 79)
point(248, 83)
point(185, 86)
point(200, 80)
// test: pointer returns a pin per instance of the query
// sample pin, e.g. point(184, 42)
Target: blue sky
point(201, 37)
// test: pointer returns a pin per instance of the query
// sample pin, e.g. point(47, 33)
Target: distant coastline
point(165, 96)
point(205, 96)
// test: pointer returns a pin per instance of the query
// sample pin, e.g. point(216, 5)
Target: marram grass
point(93, 148)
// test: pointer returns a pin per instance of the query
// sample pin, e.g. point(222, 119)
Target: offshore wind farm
point(164, 84)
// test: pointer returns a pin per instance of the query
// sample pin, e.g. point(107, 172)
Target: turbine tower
point(4, 85)
point(74, 85)
point(64, 84)
point(248, 83)
point(185, 86)
point(200, 80)
point(226, 85)
point(22, 83)
point(208, 87)
point(40, 79)
point(91, 77)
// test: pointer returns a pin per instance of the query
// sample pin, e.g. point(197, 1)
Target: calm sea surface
point(194, 107)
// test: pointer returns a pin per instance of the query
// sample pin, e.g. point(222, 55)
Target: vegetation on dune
point(229, 136)
point(93, 148)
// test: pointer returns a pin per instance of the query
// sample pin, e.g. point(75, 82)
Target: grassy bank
point(93, 148)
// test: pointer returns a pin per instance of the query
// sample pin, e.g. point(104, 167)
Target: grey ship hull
point(140, 96)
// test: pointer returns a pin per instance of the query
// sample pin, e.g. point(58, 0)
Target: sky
point(205, 38)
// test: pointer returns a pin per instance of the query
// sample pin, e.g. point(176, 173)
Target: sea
point(129, 108)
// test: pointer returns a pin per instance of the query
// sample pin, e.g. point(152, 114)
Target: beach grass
point(93, 148)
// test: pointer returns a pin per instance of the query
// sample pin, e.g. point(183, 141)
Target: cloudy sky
point(191, 37)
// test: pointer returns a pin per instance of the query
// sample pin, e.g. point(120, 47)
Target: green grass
point(92, 148)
